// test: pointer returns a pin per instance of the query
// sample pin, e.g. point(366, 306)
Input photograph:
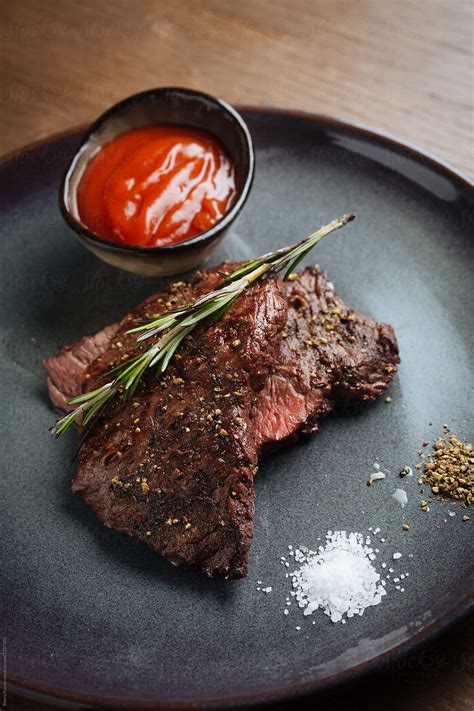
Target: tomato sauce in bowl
point(157, 181)
point(156, 186)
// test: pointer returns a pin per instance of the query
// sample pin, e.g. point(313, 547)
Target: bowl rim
point(208, 235)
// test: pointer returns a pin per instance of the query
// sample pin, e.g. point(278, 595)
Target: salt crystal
point(339, 577)
point(400, 496)
point(451, 513)
point(396, 556)
point(286, 612)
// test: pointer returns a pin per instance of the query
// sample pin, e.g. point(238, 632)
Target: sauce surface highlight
point(156, 186)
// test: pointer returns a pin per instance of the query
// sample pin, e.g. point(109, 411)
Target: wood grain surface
point(404, 66)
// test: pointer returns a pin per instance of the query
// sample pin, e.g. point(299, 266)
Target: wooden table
point(404, 66)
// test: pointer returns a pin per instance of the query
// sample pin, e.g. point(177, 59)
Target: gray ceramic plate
point(94, 618)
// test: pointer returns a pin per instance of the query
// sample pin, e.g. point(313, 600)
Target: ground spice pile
point(450, 471)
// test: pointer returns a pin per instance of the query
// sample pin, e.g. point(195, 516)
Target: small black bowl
point(157, 106)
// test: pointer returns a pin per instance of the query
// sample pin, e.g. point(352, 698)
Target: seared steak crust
point(329, 356)
point(66, 370)
point(174, 467)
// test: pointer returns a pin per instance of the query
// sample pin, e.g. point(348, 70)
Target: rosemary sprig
point(178, 324)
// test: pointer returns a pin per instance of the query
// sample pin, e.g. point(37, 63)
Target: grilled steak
point(330, 356)
point(174, 467)
point(67, 370)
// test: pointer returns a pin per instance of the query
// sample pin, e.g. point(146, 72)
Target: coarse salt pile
point(339, 578)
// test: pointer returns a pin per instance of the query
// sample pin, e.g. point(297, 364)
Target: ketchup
point(156, 186)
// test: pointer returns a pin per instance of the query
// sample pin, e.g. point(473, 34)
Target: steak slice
point(330, 356)
point(175, 466)
point(66, 370)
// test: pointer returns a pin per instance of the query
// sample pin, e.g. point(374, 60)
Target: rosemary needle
point(175, 326)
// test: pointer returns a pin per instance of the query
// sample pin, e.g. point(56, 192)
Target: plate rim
point(291, 693)
point(395, 142)
point(28, 688)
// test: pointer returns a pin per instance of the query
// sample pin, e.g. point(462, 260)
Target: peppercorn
point(450, 471)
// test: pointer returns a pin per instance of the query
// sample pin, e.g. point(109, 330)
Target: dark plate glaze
point(95, 619)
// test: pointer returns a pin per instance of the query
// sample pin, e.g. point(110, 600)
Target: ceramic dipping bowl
point(161, 106)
